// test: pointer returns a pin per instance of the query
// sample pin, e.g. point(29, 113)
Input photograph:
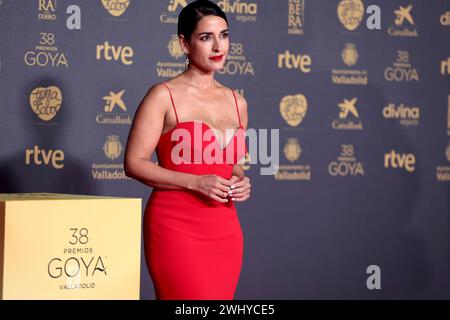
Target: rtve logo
point(39, 156)
point(294, 61)
point(400, 161)
point(118, 53)
point(445, 66)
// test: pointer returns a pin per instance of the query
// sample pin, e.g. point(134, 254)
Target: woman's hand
point(213, 186)
point(241, 188)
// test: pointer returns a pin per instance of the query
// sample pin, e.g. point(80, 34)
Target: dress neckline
point(236, 130)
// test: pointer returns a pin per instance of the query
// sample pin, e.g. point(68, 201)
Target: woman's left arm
point(241, 190)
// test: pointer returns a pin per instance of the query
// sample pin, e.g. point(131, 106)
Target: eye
point(204, 38)
point(225, 35)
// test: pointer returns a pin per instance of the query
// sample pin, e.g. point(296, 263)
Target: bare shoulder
point(156, 97)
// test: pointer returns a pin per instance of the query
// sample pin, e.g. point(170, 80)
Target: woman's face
point(209, 39)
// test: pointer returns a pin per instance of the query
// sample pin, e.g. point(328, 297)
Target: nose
point(216, 46)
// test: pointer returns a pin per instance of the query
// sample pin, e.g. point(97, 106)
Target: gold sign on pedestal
point(56, 246)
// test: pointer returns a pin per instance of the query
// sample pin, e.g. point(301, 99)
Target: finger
point(241, 198)
point(241, 183)
point(240, 190)
point(214, 196)
point(224, 182)
point(222, 187)
point(240, 194)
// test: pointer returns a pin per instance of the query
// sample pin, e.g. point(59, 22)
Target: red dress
point(194, 244)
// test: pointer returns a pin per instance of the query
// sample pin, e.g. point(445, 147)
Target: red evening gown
point(194, 244)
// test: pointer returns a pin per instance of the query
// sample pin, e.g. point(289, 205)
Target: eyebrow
point(208, 33)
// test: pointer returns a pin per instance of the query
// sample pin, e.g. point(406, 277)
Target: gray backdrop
point(309, 232)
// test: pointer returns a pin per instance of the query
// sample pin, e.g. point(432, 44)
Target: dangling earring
point(186, 63)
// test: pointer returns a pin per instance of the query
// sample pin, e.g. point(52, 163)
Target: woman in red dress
point(193, 240)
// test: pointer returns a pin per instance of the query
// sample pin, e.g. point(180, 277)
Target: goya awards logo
point(348, 116)
point(397, 160)
point(404, 25)
point(243, 11)
point(116, 8)
point(293, 109)
point(47, 10)
point(301, 62)
point(292, 151)
point(169, 69)
point(443, 172)
point(401, 70)
point(349, 75)
point(296, 17)
point(406, 115)
point(115, 110)
point(46, 102)
point(78, 265)
point(112, 150)
point(350, 13)
point(445, 19)
point(119, 53)
point(237, 63)
point(46, 53)
point(346, 163)
point(173, 9)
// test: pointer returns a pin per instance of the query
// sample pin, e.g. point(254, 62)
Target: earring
point(186, 63)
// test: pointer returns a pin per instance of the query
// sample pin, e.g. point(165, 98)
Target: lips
point(217, 58)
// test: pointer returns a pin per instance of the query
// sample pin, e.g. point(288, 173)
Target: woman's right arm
point(144, 135)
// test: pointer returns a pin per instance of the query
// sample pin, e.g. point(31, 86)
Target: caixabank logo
point(349, 75)
point(45, 102)
point(296, 17)
point(173, 8)
point(46, 53)
point(348, 116)
point(404, 25)
point(295, 171)
point(114, 110)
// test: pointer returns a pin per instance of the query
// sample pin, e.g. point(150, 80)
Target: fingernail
point(232, 187)
point(233, 199)
point(230, 192)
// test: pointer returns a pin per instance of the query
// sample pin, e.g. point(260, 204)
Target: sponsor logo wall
point(360, 93)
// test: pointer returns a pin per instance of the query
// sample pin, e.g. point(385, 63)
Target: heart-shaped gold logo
point(293, 109)
point(350, 13)
point(116, 7)
point(46, 102)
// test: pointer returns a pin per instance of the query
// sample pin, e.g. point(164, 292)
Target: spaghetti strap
point(171, 98)
point(237, 109)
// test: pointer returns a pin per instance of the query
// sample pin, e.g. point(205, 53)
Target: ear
point(184, 44)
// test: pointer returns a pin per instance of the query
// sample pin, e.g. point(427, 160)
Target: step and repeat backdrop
point(359, 203)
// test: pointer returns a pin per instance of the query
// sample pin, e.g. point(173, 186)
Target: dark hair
point(193, 12)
